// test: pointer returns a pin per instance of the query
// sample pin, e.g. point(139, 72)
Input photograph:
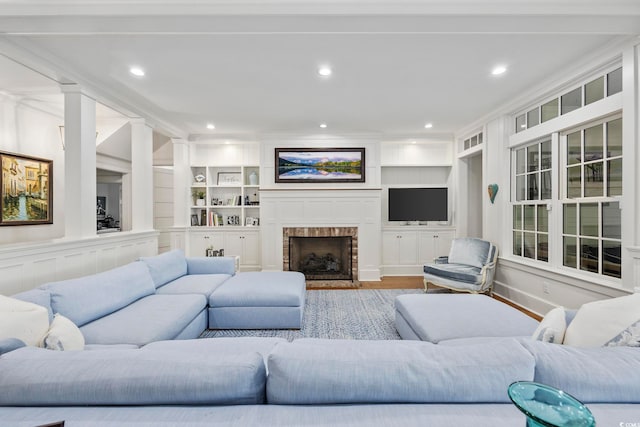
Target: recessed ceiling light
point(211, 126)
point(428, 126)
point(324, 71)
point(227, 142)
point(323, 125)
point(137, 71)
point(413, 142)
point(500, 69)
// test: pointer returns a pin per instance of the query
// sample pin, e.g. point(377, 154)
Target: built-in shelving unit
point(225, 196)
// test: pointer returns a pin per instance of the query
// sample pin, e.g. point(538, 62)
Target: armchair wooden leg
point(426, 285)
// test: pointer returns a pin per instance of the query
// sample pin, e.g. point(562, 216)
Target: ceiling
point(251, 67)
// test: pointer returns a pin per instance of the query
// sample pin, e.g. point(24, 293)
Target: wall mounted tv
point(418, 204)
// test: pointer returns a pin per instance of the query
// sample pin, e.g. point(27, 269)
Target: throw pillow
point(600, 323)
point(23, 320)
point(63, 335)
point(630, 337)
point(552, 327)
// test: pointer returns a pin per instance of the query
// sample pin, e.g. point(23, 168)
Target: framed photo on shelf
point(194, 220)
point(229, 178)
point(26, 185)
point(320, 165)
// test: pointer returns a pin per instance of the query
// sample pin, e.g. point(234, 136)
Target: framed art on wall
point(320, 165)
point(26, 196)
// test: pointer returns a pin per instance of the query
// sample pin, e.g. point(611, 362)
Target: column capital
point(75, 88)
point(179, 141)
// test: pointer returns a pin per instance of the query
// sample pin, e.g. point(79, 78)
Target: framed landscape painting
point(26, 195)
point(320, 165)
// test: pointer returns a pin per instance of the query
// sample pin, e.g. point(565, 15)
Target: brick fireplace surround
point(324, 232)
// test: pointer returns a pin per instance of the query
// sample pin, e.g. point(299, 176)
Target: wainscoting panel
point(24, 267)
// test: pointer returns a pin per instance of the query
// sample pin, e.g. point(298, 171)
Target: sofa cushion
point(63, 335)
point(130, 377)
point(261, 289)
point(607, 321)
point(203, 284)
point(470, 251)
point(37, 296)
point(438, 317)
point(323, 372)
point(552, 327)
point(458, 272)
point(211, 265)
point(23, 320)
point(87, 298)
point(166, 267)
point(9, 344)
point(153, 318)
point(602, 374)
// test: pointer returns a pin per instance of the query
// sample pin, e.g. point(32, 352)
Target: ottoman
point(440, 317)
point(259, 300)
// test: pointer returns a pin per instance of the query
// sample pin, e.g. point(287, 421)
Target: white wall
point(32, 132)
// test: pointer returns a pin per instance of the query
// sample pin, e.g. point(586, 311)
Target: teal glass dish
point(549, 407)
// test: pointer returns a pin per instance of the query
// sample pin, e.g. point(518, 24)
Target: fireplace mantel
point(337, 207)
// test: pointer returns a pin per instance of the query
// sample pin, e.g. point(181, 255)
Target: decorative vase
point(253, 178)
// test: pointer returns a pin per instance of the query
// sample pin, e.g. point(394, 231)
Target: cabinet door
point(443, 243)
point(244, 244)
point(390, 248)
point(408, 248)
point(399, 248)
point(199, 242)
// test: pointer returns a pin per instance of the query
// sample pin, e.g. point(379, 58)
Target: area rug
point(361, 314)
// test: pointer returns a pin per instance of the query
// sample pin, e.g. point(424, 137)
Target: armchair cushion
point(470, 251)
point(457, 272)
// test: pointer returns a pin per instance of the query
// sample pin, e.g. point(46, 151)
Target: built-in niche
point(108, 201)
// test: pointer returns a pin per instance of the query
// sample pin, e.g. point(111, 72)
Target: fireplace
point(328, 256)
point(321, 258)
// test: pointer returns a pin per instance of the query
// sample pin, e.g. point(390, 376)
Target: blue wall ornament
point(493, 191)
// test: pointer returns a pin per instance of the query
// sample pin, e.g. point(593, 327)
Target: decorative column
point(181, 182)
point(141, 176)
point(80, 163)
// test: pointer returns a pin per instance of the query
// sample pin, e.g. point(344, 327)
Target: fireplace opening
point(322, 258)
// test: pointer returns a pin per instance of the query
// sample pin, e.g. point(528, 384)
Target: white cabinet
point(406, 249)
point(399, 248)
point(433, 244)
point(245, 244)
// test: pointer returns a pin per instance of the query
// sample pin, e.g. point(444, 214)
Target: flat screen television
point(418, 204)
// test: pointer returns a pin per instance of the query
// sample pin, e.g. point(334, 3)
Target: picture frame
point(233, 179)
point(319, 165)
point(26, 190)
point(194, 220)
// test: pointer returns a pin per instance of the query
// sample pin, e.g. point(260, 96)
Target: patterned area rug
point(362, 314)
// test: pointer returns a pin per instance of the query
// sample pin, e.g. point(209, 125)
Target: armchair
point(469, 267)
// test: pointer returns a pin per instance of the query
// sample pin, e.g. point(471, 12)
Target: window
point(593, 91)
point(591, 232)
point(472, 141)
point(532, 175)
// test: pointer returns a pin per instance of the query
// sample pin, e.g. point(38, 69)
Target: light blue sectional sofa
point(155, 375)
point(271, 382)
point(168, 297)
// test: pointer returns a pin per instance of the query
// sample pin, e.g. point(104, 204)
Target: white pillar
point(141, 176)
point(80, 163)
point(181, 182)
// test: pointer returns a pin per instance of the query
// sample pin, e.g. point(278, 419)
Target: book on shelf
point(215, 219)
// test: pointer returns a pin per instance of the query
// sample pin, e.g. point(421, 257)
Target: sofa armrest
point(441, 260)
point(211, 265)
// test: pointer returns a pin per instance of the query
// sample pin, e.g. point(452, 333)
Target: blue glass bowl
point(549, 407)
